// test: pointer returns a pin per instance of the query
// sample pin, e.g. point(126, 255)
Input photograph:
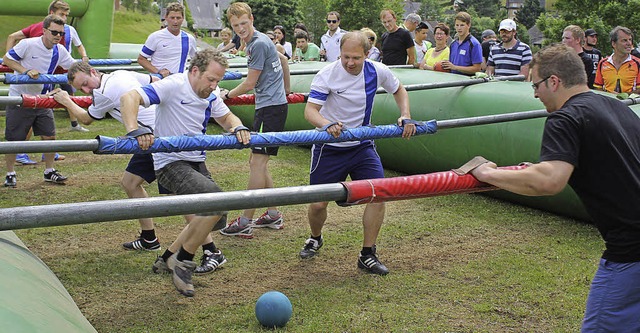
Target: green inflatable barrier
point(33, 299)
point(505, 143)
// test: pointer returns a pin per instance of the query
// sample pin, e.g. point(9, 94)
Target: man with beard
point(511, 56)
point(589, 47)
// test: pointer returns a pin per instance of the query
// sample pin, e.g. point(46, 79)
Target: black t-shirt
point(595, 56)
point(486, 48)
point(588, 68)
point(394, 47)
point(600, 137)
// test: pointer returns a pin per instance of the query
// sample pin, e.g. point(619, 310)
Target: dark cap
point(488, 33)
point(421, 26)
point(590, 32)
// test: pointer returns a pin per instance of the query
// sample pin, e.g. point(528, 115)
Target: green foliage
point(529, 13)
point(143, 6)
point(314, 15)
point(433, 10)
point(488, 8)
point(188, 17)
point(131, 27)
point(357, 14)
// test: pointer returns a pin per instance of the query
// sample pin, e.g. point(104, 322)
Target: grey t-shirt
point(263, 56)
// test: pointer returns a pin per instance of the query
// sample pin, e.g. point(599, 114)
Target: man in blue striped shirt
point(511, 56)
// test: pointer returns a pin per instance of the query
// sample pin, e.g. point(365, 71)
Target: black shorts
point(141, 165)
point(269, 119)
point(19, 120)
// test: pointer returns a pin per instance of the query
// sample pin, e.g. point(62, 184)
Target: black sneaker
point(142, 244)
point(210, 262)
point(182, 274)
point(311, 247)
point(10, 181)
point(371, 264)
point(54, 177)
point(160, 266)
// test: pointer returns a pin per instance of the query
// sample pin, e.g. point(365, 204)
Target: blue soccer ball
point(273, 309)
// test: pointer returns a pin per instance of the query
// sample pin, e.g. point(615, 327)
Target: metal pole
point(126, 209)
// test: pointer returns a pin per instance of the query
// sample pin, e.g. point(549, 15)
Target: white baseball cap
point(507, 24)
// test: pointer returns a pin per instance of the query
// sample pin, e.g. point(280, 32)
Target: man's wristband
point(226, 95)
point(26, 72)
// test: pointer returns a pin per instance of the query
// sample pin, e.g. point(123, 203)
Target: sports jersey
point(180, 111)
point(32, 54)
point(509, 61)
point(617, 80)
point(106, 98)
point(467, 53)
point(169, 51)
point(349, 98)
point(331, 44)
point(263, 56)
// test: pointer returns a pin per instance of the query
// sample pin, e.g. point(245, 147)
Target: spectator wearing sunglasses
point(330, 41)
point(374, 52)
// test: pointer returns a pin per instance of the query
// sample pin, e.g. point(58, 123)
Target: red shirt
point(36, 30)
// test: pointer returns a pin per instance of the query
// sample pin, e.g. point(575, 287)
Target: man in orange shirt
point(619, 72)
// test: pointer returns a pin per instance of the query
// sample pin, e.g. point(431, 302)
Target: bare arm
point(14, 38)
point(228, 47)
point(285, 73)
point(402, 100)
point(313, 116)
point(545, 178)
point(411, 52)
point(524, 70)
point(490, 70)
point(63, 98)
point(248, 84)
point(466, 69)
point(83, 53)
point(230, 122)
point(16, 66)
point(146, 64)
point(129, 105)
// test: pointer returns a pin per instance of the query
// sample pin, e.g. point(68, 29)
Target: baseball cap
point(507, 24)
point(590, 32)
point(488, 33)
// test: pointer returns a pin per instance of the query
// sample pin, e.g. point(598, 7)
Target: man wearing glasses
point(591, 142)
point(330, 41)
point(33, 56)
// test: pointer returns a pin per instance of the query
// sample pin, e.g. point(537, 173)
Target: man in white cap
point(510, 56)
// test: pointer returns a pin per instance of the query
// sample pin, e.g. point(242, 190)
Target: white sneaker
point(78, 128)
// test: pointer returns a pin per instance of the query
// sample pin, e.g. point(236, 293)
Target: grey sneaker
point(371, 264)
point(78, 128)
point(210, 262)
point(266, 221)
point(182, 274)
point(311, 247)
point(160, 266)
point(235, 229)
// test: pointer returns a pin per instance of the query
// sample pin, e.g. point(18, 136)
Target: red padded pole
point(251, 99)
point(412, 187)
point(42, 102)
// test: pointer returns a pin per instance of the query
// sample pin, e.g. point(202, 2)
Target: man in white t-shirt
point(341, 96)
point(166, 51)
point(185, 103)
point(33, 56)
point(330, 41)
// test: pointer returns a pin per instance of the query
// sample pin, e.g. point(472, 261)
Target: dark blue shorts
point(613, 304)
point(269, 119)
point(141, 165)
point(331, 164)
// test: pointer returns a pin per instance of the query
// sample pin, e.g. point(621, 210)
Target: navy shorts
point(183, 177)
point(613, 304)
point(330, 164)
point(20, 120)
point(269, 119)
point(141, 165)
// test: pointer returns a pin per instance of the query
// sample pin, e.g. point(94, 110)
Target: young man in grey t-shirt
point(268, 76)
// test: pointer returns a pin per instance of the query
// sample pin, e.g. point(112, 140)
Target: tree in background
point(483, 8)
point(433, 10)
point(357, 14)
point(599, 15)
point(269, 13)
point(314, 15)
point(529, 13)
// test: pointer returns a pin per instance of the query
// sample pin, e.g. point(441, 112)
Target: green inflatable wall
point(32, 297)
point(505, 143)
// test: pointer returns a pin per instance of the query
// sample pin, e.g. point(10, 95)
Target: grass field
point(463, 263)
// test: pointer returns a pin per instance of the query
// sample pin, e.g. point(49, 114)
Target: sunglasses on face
point(372, 39)
point(332, 21)
point(56, 33)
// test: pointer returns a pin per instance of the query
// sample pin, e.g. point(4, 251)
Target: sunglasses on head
point(56, 33)
point(332, 21)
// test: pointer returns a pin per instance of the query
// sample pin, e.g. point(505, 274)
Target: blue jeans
point(613, 304)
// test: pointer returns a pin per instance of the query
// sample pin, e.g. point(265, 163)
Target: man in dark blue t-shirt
point(591, 142)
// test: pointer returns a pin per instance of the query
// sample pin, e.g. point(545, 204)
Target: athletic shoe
point(142, 244)
point(10, 181)
point(54, 177)
point(57, 157)
point(78, 128)
point(182, 274)
point(210, 262)
point(160, 266)
point(311, 247)
point(235, 229)
point(24, 159)
point(266, 221)
point(371, 264)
